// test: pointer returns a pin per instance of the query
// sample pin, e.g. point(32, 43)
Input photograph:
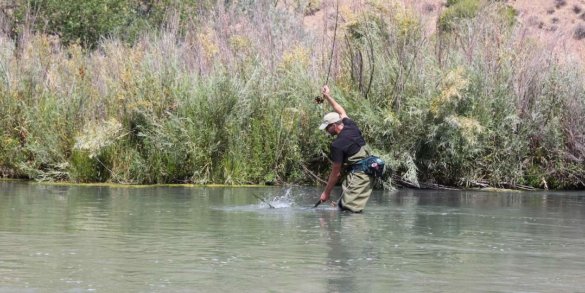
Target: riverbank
point(394, 185)
point(219, 104)
point(119, 185)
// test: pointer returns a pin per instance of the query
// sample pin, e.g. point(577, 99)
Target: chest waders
point(357, 186)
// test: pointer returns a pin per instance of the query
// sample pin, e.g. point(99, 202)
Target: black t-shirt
point(348, 142)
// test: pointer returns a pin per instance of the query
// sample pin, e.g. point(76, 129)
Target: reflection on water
point(60, 239)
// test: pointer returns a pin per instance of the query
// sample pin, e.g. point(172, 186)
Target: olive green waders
point(357, 186)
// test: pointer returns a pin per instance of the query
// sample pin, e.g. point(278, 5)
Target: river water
point(196, 239)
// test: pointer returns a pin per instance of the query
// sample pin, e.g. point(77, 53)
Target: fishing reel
point(319, 100)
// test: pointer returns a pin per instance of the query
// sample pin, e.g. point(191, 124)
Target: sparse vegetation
point(509, 14)
point(579, 32)
point(228, 98)
point(312, 7)
point(428, 8)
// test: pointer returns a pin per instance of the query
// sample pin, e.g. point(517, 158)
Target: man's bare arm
point(336, 106)
point(333, 178)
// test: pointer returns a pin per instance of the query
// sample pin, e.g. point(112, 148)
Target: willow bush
point(227, 96)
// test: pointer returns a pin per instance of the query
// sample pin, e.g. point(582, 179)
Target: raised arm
point(336, 107)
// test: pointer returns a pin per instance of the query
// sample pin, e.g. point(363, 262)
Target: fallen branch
point(406, 183)
point(317, 178)
point(518, 186)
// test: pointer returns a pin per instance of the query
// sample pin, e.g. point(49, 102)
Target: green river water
point(216, 239)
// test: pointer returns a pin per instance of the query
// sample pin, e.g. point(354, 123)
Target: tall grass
point(232, 101)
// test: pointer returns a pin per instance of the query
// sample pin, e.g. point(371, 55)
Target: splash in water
point(280, 201)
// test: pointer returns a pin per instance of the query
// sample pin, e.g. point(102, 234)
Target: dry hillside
point(559, 25)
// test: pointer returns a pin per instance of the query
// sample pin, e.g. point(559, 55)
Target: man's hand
point(324, 197)
point(327, 96)
point(325, 91)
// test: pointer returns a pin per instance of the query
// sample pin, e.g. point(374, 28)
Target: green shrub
point(84, 168)
point(508, 14)
point(84, 22)
point(89, 21)
point(456, 11)
point(312, 7)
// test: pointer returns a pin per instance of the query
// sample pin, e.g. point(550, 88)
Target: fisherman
point(347, 149)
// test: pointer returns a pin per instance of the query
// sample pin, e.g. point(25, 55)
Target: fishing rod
point(263, 200)
point(317, 204)
point(319, 99)
point(333, 44)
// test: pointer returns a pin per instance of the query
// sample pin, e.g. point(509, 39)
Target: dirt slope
point(557, 24)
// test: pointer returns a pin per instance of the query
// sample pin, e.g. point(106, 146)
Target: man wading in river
point(348, 148)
